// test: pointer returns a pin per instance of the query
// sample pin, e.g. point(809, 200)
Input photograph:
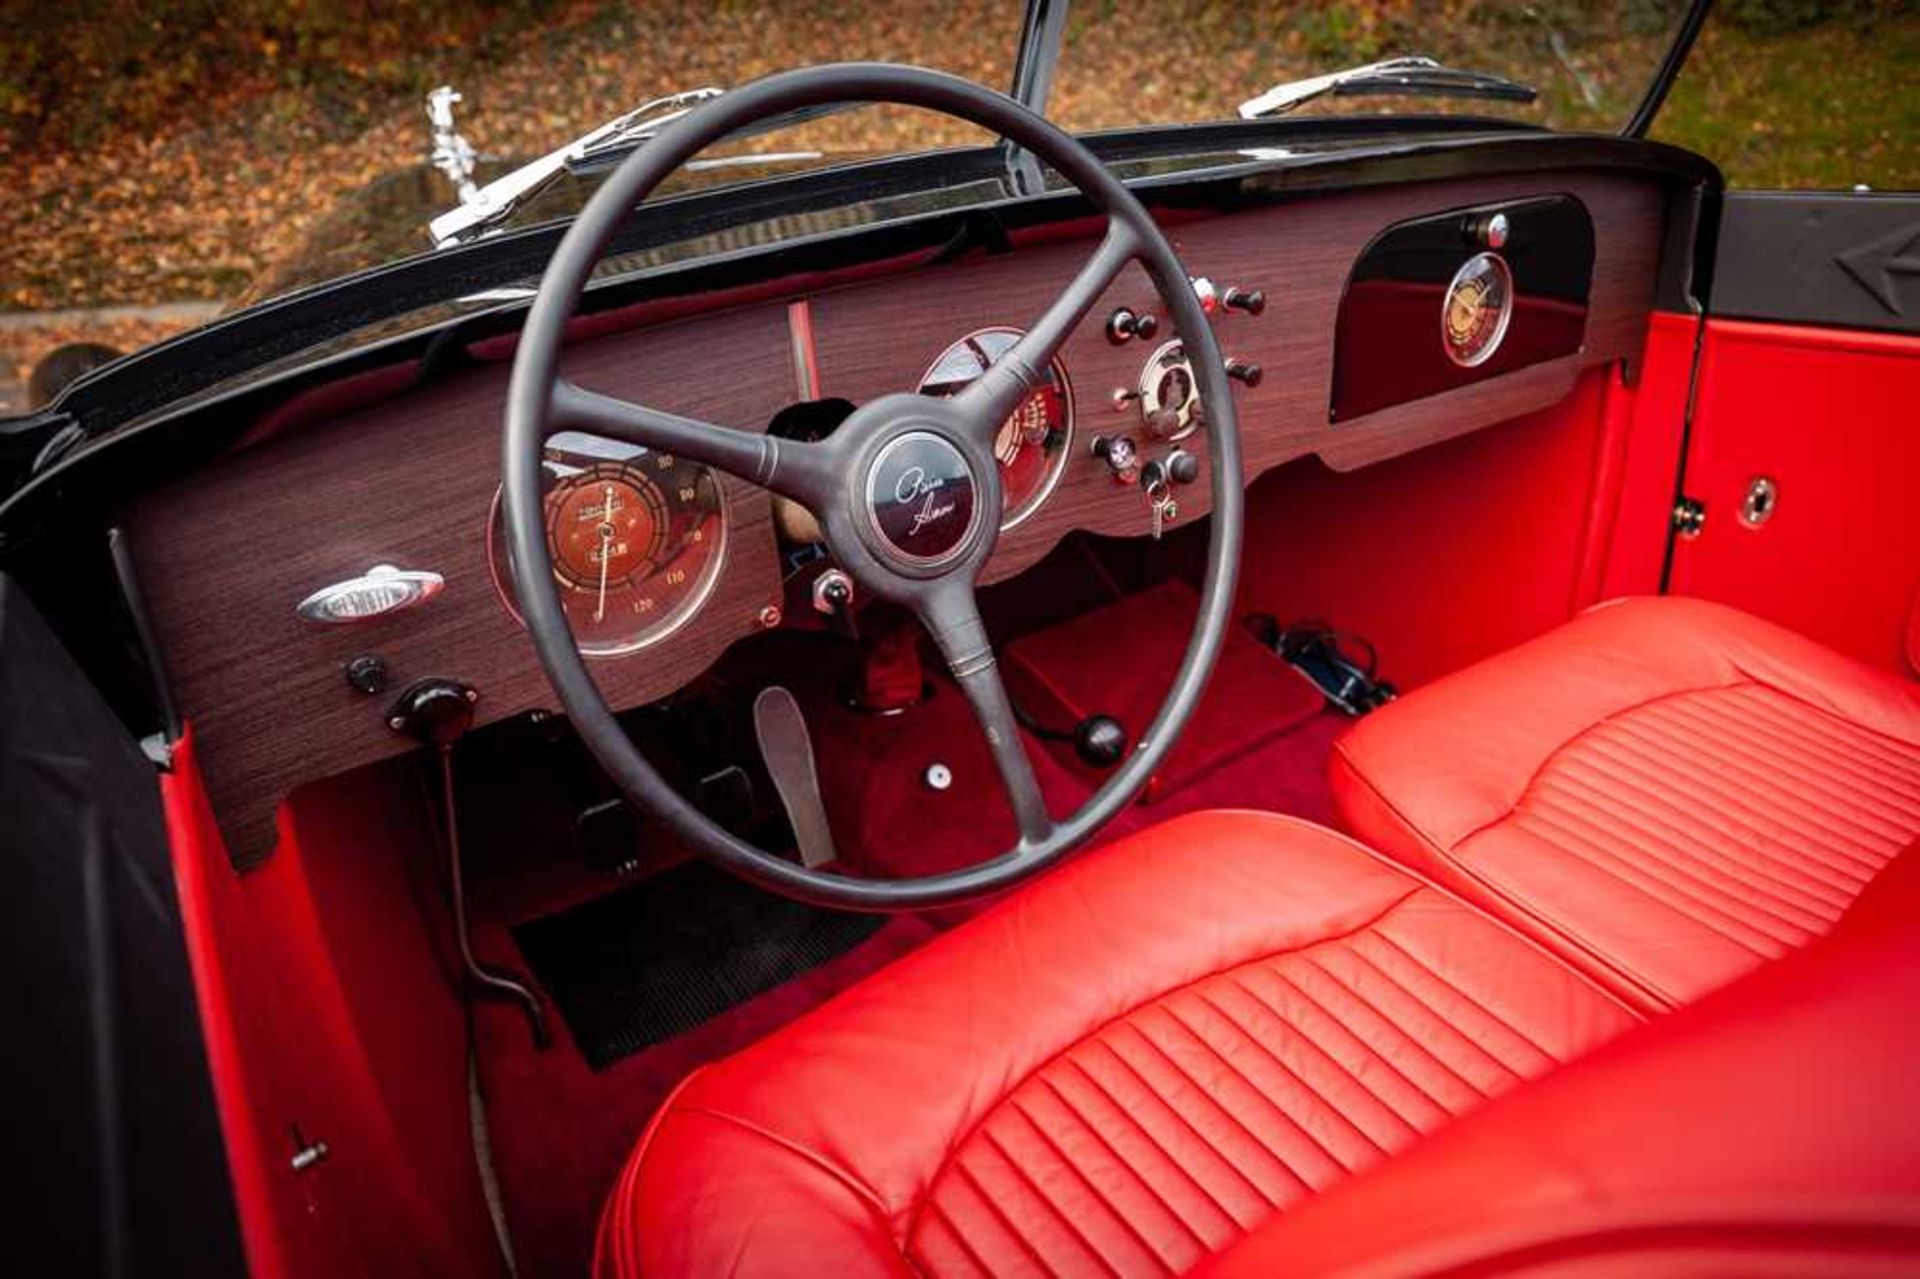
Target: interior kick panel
point(1839, 260)
point(1823, 418)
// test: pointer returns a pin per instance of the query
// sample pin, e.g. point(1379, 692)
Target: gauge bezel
point(1168, 356)
point(1505, 318)
point(677, 618)
point(1057, 466)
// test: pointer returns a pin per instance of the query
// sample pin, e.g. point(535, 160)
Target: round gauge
point(1169, 398)
point(1032, 442)
point(636, 539)
point(1478, 306)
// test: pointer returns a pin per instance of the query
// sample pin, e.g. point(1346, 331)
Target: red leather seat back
point(1665, 791)
point(1771, 1128)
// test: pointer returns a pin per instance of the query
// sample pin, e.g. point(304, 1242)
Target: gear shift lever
point(438, 713)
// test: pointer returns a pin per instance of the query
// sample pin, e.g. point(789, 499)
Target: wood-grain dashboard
point(226, 555)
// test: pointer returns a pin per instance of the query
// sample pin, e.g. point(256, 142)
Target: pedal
point(788, 750)
point(606, 838)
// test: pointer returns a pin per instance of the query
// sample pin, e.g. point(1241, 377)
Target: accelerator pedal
point(787, 748)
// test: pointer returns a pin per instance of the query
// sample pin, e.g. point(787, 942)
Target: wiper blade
point(613, 150)
point(484, 208)
point(1412, 75)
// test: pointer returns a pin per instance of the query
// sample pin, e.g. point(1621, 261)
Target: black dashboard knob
point(1245, 371)
point(1126, 323)
point(1182, 467)
point(1252, 301)
point(368, 674)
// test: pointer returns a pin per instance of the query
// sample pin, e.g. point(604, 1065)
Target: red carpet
point(560, 1132)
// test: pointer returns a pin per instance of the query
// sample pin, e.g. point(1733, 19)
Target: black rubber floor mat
point(646, 963)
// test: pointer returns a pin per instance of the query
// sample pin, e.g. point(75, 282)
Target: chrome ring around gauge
point(1169, 397)
point(1034, 444)
point(1477, 309)
point(637, 538)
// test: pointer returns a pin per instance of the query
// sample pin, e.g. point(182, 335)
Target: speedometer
point(636, 539)
point(1031, 444)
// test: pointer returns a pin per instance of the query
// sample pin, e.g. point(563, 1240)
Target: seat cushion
point(1118, 1070)
point(1769, 1129)
point(1666, 791)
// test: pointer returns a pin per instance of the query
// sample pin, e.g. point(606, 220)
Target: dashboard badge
point(381, 590)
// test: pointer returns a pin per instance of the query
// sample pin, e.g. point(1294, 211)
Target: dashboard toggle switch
point(1244, 371)
point(1125, 324)
point(1251, 301)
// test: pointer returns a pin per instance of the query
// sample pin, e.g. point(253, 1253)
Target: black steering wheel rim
point(537, 394)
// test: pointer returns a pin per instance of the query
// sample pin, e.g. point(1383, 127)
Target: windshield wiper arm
point(482, 208)
point(1413, 75)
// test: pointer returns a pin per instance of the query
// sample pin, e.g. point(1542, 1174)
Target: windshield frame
point(1035, 66)
point(1043, 31)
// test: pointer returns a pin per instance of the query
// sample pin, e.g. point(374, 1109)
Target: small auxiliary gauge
point(1478, 307)
point(1169, 398)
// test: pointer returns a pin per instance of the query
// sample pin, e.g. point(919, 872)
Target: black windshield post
point(1669, 71)
point(1041, 33)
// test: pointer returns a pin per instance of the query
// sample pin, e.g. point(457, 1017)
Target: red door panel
point(1832, 417)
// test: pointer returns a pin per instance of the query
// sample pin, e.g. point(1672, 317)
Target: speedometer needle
point(606, 552)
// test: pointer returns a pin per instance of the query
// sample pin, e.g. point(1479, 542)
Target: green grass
point(1822, 108)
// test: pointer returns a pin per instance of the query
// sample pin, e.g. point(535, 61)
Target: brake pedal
point(788, 750)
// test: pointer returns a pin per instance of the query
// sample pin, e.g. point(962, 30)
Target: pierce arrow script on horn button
point(922, 499)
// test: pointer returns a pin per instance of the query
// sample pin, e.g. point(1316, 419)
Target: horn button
point(923, 501)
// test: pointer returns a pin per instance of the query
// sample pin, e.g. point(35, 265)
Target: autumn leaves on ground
point(170, 152)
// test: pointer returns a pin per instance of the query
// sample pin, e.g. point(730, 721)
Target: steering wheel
point(906, 490)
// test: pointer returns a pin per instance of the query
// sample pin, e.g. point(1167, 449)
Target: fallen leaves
point(201, 203)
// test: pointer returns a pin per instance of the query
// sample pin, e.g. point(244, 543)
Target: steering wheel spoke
point(952, 617)
point(991, 397)
point(836, 477)
point(790, 468)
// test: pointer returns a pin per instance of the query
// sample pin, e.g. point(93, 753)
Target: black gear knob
point(1100, 740)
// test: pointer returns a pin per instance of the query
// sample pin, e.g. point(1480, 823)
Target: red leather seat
point(1664, 791)
point(1120, 1070)
point(1771, 1128)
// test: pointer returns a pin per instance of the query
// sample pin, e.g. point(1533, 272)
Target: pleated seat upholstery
point(1665, 791)
point(1121, 1070)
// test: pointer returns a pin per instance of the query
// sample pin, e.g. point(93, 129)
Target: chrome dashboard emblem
point(381, 590)
point(922, 500)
